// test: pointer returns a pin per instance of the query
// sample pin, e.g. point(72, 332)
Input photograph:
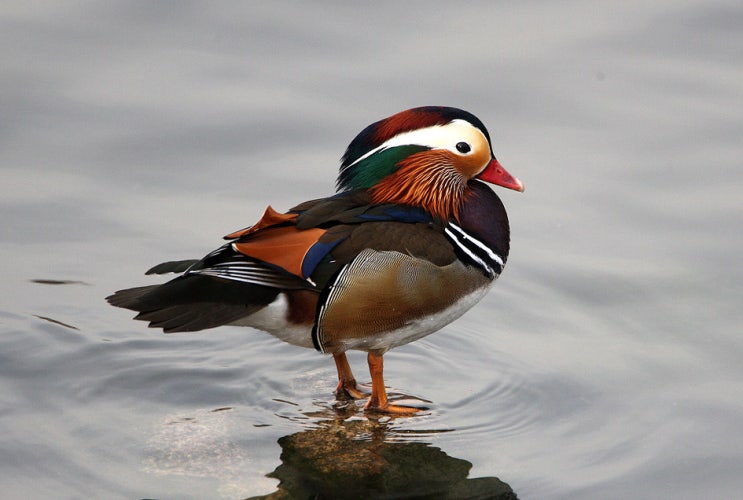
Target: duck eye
point(463, 147)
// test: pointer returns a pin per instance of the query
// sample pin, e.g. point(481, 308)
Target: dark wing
point(300, 250)
point(223, 287)
point(172, 266)
point(193, 302)
point(332, 231)
point(354, 207)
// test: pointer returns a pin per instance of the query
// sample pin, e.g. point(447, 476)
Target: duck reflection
point(364, 457)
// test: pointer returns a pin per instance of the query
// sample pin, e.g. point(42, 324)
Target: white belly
point(273, 319)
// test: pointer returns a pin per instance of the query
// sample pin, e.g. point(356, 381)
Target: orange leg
point(346, 381)
point(378, 399)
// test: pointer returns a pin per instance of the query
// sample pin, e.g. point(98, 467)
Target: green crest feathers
point(367, 172)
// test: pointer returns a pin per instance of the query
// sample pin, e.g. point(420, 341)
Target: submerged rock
point(353, 459)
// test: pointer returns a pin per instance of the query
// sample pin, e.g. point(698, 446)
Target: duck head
point(423, 157)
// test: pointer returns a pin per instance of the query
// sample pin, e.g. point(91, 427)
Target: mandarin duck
point(412, 239)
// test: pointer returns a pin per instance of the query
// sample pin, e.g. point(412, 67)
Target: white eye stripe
point(434, 137)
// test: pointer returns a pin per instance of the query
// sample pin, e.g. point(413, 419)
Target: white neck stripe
point(497, 258)
point(469, 252)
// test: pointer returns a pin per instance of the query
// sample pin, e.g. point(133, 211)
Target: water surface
point(604, 364)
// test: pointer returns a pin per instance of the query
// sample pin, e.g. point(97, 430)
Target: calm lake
point(607, 362)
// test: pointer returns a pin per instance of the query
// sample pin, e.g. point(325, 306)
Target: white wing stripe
point(248, 272)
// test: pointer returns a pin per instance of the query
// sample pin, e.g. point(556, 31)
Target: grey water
point(606, 362)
